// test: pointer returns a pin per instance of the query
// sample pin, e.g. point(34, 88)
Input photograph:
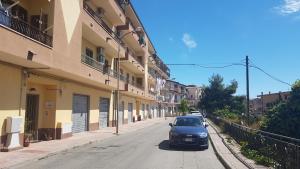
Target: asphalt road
point(143, 149)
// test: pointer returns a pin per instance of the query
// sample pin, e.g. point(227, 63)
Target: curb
point(229, 148)
point(225, 164)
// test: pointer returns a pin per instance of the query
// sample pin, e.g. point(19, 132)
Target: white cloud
point(189, 41)
point(289, 7)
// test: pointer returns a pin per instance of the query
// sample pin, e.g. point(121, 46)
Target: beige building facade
point(59, 67)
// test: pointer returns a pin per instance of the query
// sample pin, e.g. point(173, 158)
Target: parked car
point(188, 131)
point(201, 117)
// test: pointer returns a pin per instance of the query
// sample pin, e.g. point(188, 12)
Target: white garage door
point(80, 113)
point(103, 112)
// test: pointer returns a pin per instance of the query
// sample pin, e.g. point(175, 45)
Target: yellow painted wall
point(126, 100)
point(10, 95)
point(64, 102)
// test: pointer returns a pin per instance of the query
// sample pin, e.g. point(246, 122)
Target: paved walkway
point(235, 148)
point(48, 148)
point(223, 152)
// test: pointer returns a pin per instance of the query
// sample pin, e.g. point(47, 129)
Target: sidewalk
point(225, 150)
point(223, 153)
point(45, 149)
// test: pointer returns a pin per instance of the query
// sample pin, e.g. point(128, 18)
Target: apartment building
point(174, 92)
point(60, 62)
point(194, 94)
point(265, 102)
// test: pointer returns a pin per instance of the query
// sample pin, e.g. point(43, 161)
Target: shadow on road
point(164, 145)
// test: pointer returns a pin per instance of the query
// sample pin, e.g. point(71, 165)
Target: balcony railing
point(94, 63)
point(100, 21)
point(152, 93)
point(152, 73)
point(25, 28)
point(121, 4)
point(97, 18)
point(133, 83)
point(135, 58)
point(159, 63)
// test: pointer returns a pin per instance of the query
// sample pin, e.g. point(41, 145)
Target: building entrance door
point(31, 116)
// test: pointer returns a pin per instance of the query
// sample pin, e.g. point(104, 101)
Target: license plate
point(188, 139)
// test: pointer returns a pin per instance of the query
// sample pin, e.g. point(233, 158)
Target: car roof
point(195, 114)
point(184, 117)
point(195, 111)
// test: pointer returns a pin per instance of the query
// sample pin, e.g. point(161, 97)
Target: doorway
point(31, 116)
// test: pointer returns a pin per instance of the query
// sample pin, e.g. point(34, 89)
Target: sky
point(222, 32)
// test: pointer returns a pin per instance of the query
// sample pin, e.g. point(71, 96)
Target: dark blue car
point(188, 131)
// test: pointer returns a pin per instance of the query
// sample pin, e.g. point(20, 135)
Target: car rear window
point(188, 122)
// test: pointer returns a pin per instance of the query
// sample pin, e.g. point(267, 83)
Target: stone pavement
point(45, 149)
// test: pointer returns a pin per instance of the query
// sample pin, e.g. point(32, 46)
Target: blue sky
point(220, 32)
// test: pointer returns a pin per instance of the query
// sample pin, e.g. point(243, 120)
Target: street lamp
point(139, 31)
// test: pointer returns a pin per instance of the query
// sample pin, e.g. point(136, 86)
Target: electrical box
point(13, 128)
point(13, 124)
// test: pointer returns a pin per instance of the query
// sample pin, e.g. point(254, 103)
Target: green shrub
point(255, 155)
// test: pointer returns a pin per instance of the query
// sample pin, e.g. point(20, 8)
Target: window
point(89, 52)
point(100, 55)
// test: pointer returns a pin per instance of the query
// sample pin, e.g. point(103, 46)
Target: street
point(143, 149)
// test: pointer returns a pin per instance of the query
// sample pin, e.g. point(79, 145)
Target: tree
point(284, 118)
point(183, 107)
point(217, 96)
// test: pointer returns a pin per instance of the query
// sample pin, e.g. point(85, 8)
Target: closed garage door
point(130, 110)
point(80, 113)
point(103, 114)
point(121, 114)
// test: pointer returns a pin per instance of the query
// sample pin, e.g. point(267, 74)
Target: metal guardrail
point(25, 28)
point(283, 152)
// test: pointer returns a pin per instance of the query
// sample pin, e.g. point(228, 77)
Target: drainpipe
point(23, 77)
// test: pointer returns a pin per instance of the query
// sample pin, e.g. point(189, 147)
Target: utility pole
point(247, 82)
point(262, 103)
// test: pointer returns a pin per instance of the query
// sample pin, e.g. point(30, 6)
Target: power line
point(208, 67)
point(230, 65)
point(268, 74)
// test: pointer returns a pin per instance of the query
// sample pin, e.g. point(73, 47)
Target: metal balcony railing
point(93, 63)
point(133, 83)
point(121, 5)
point(151, 92)
point(152, 73)
point(136, 59)
point(100, 21)
point(97, 18)
point(25, 28)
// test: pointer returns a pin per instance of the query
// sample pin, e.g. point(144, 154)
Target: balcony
point(25, 29)
point(151, 95)
point(135, 89)
point(151, 75)
point(93, 63)
point(95, 26)
point(133, 63)
point(97, 18)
